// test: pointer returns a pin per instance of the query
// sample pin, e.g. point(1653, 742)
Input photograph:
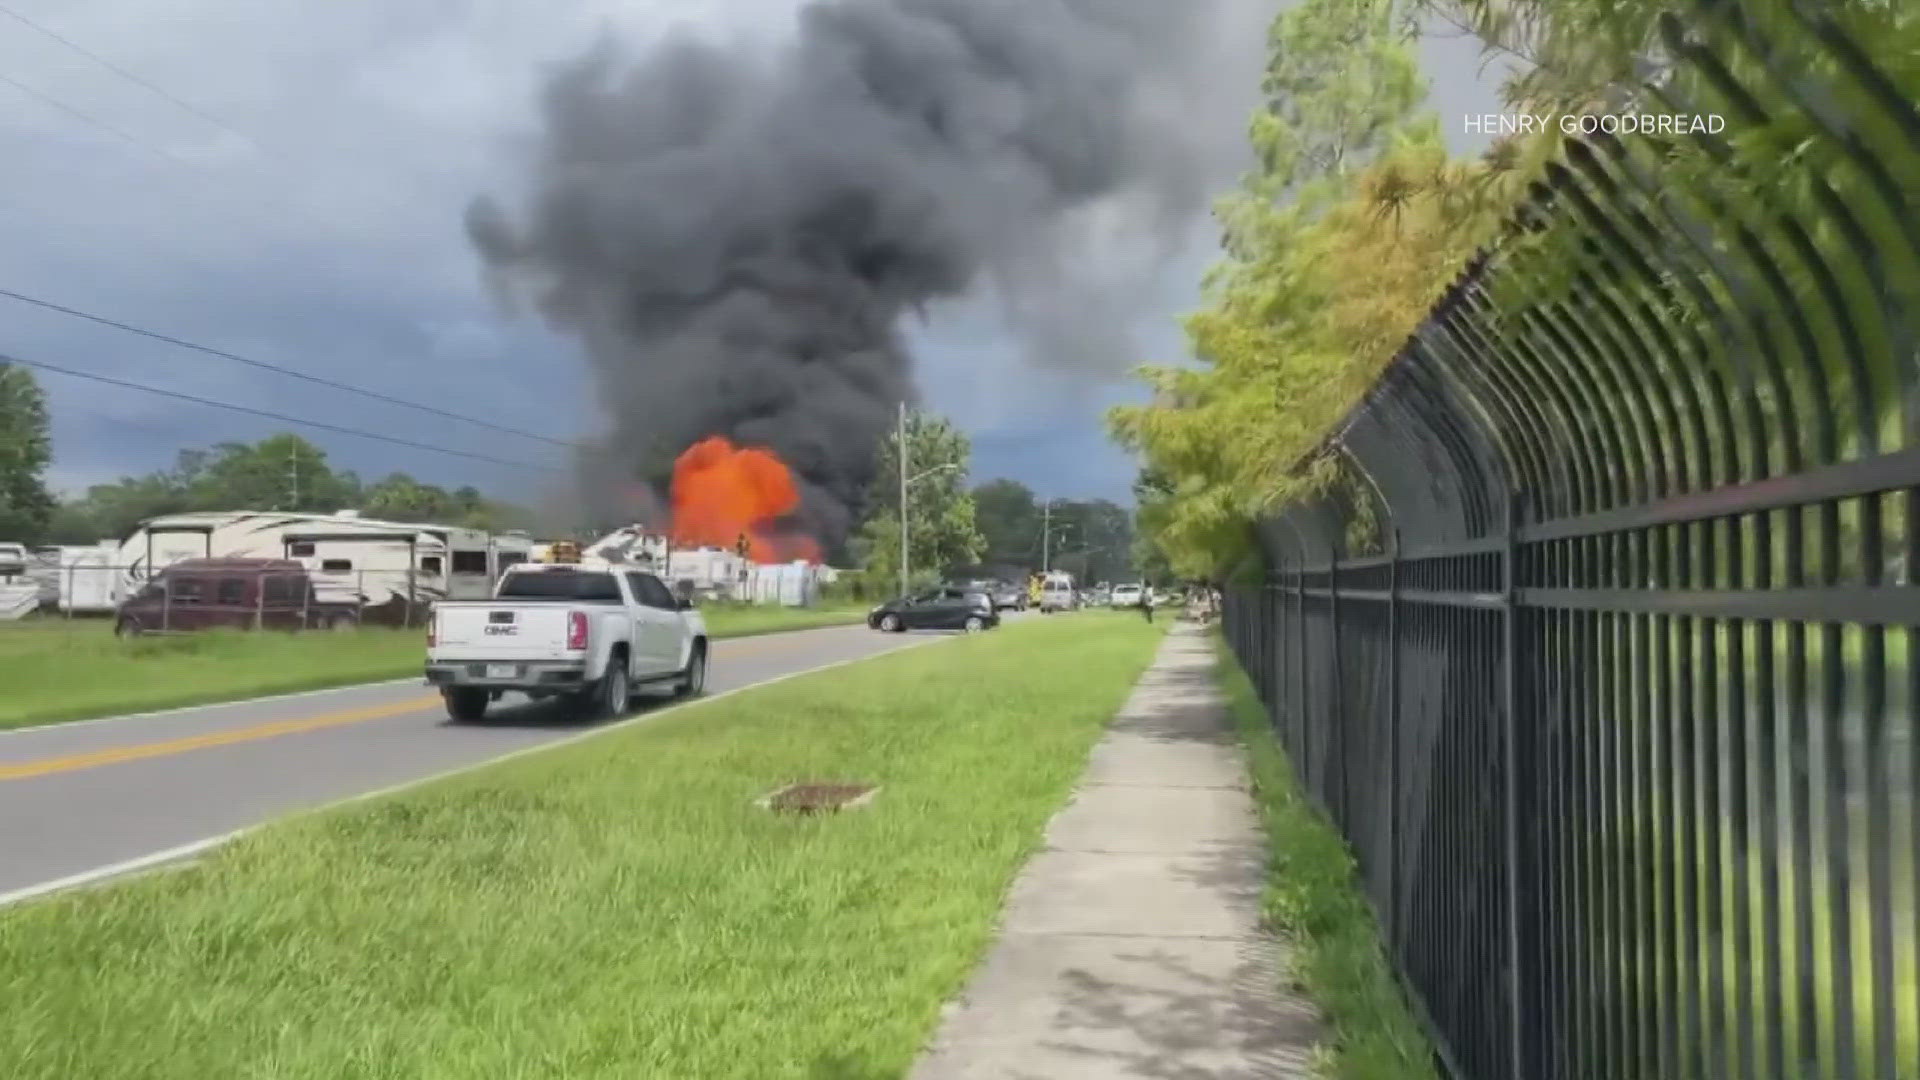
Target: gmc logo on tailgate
point(496, 630)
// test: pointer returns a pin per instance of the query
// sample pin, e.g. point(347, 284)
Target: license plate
point(502, 671)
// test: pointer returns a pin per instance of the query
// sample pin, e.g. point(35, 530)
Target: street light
point(905, 483)
point(924, 473)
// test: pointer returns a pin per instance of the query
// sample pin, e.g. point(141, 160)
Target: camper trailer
point(393, 569)
point(13, 560)
point(19, 592)
point(74, 578)
point(85, 579)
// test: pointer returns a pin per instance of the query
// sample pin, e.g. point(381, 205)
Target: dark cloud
point(736, 237)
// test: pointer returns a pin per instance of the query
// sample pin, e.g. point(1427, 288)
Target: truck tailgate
point(506, 630)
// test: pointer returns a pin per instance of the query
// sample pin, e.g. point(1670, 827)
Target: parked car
point(1057, 594)
point(1126, 596)
point(1008, 596)
point(945, 608)
point(590, 632)
point(240, 594)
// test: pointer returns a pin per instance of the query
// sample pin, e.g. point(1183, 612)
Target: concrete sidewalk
point(1130, 945)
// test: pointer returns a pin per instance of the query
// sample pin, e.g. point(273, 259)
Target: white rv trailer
point(13, 559)
point(393, 568)
point(19, 591)
point(75, 577)
point(85, 578)
point(424, 562)
point(349, 557)
point(708, 571)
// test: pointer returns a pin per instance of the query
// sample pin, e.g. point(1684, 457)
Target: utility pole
point(293, 476)
point(1046, 536)
point(901, 452)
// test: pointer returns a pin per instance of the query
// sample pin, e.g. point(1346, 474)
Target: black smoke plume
point(736, 237)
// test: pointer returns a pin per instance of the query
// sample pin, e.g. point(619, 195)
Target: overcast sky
point(303, 206)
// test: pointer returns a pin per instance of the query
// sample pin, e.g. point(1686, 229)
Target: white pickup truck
point(589, 632)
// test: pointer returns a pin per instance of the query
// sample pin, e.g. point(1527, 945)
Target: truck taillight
point(576, 629)
point(433, 630)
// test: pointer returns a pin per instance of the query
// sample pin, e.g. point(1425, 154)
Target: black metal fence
point(1601, 653)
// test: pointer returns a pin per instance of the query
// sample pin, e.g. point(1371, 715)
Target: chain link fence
point(215, 598)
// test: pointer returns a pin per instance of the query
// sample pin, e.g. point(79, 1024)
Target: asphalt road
point(97, 797)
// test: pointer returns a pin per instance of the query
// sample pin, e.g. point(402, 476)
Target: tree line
point(280, 472)
point(999, 528)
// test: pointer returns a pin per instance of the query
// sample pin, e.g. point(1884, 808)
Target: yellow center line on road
point(115, 755)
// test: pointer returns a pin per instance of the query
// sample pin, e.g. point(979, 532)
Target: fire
point(722, 492)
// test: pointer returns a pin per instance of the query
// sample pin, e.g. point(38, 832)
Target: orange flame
point(722, 492)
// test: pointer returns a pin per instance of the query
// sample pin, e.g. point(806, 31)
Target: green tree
point(283, 472)
point(1150, 564)
point(1574, 56)
point(1336, 246)
point(400, 497)
point(1092, 540)
point(940, 512)
point(1342, 87)
point(26, 447)
point(1008, 517)
point(1104, 551)
point(280, 472)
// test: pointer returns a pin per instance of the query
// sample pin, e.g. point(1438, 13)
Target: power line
point(131, 77)
point(277, 369)
point(85, 118)
point(282, 417)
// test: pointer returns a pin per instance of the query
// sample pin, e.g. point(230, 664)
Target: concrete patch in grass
point(814, 797)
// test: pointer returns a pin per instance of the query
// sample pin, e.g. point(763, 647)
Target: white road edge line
point(129, 866)
point(197, 847)
point(289, 696)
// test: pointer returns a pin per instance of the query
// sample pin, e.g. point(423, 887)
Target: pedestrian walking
point(1146, 603)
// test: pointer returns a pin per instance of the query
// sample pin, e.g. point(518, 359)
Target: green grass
point(613, 909)
point(53, 670)
point(741, 620)
point(1314, 900)
point(62, 673)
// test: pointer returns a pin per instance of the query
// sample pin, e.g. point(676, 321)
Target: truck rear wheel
point(613, 694)
point(693, 679)
point(466, 704)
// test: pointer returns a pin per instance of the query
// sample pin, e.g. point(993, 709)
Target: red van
point(237, 594)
